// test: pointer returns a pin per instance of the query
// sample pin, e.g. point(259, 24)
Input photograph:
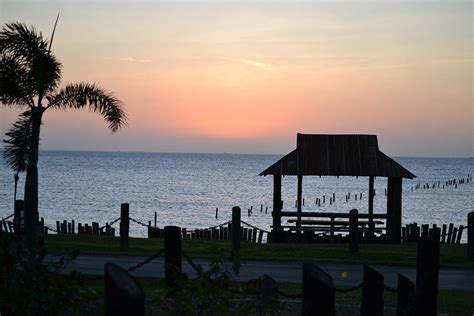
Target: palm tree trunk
point(31, 184)
point(17, 177)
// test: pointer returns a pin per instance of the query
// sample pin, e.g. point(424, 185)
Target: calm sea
point(185, 189)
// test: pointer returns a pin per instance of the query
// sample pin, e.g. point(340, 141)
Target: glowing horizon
point(246, 77)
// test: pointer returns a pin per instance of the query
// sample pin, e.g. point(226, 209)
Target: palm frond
point(21, 40)
point(86, 95)
point(16, 87)
point(40, 69)
point(18, 143)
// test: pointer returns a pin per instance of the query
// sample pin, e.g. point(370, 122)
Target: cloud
point(134, 60)
point(257, 64)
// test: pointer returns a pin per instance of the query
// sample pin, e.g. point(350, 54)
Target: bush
point(37, 287)
point(216, 291)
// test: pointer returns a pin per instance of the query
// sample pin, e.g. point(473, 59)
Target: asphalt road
point(342, 274)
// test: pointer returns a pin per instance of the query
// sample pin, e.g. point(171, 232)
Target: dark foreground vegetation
point(42, 290)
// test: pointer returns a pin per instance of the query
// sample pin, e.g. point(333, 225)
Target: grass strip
point(451, 256)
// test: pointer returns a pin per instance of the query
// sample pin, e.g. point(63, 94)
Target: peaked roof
point(337, 155)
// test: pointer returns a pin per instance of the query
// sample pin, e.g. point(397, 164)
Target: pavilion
point(339, 155)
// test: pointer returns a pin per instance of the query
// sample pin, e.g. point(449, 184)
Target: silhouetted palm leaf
point(27, 66)
point(82, 95)
point(18, 142)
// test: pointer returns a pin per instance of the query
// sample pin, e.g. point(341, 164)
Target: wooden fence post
point(470, 235)
point(427, 270)
point(173, 255)
point(43, 230)
point(405, 297)
point(318, 291)
point(17, 217)
point(124, 225)
point(372, 293)
point(353, 230)
point(123, 295)
point(450, 233)
point(269, 296)
point(443, 234)
point(235, 230)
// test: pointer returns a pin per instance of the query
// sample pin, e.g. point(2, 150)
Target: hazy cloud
point(257, 64)
point(134, 60)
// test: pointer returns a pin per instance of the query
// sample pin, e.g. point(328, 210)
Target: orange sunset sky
point(247, 76)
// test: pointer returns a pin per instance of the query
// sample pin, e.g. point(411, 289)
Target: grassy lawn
point(452, 256)
point(449, 302)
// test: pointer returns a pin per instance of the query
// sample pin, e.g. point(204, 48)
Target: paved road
point(453, 279)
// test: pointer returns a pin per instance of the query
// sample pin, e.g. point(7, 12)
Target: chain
point(197, 268)
point(255, 227)
point(4, 219)
point(351, 289)
point(111, 223)
point(138, 222)
point(220, 225)
point(146, 261)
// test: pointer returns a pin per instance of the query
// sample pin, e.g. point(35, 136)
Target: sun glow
point(233, 71)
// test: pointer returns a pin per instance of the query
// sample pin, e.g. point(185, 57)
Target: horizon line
point(220, 153)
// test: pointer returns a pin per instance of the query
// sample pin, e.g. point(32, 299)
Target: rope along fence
point(199, 269)
point(8, 217)
point(138, 222)
point(146, 261)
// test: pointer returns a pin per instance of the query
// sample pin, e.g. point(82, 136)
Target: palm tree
point(30, 76)
point(17, 146)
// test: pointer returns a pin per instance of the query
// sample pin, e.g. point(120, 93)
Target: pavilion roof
point(337, 155)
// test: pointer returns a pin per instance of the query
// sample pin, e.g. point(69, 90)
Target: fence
point(318, 289)
point(449, 234)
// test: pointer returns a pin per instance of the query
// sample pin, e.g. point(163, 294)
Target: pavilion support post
point(394, 210)
point(371, 206)
point(299, 204)
point(276, 214)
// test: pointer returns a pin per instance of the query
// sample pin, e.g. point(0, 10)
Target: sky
point(245, 77)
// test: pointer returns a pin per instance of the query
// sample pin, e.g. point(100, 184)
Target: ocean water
point(185, 189)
